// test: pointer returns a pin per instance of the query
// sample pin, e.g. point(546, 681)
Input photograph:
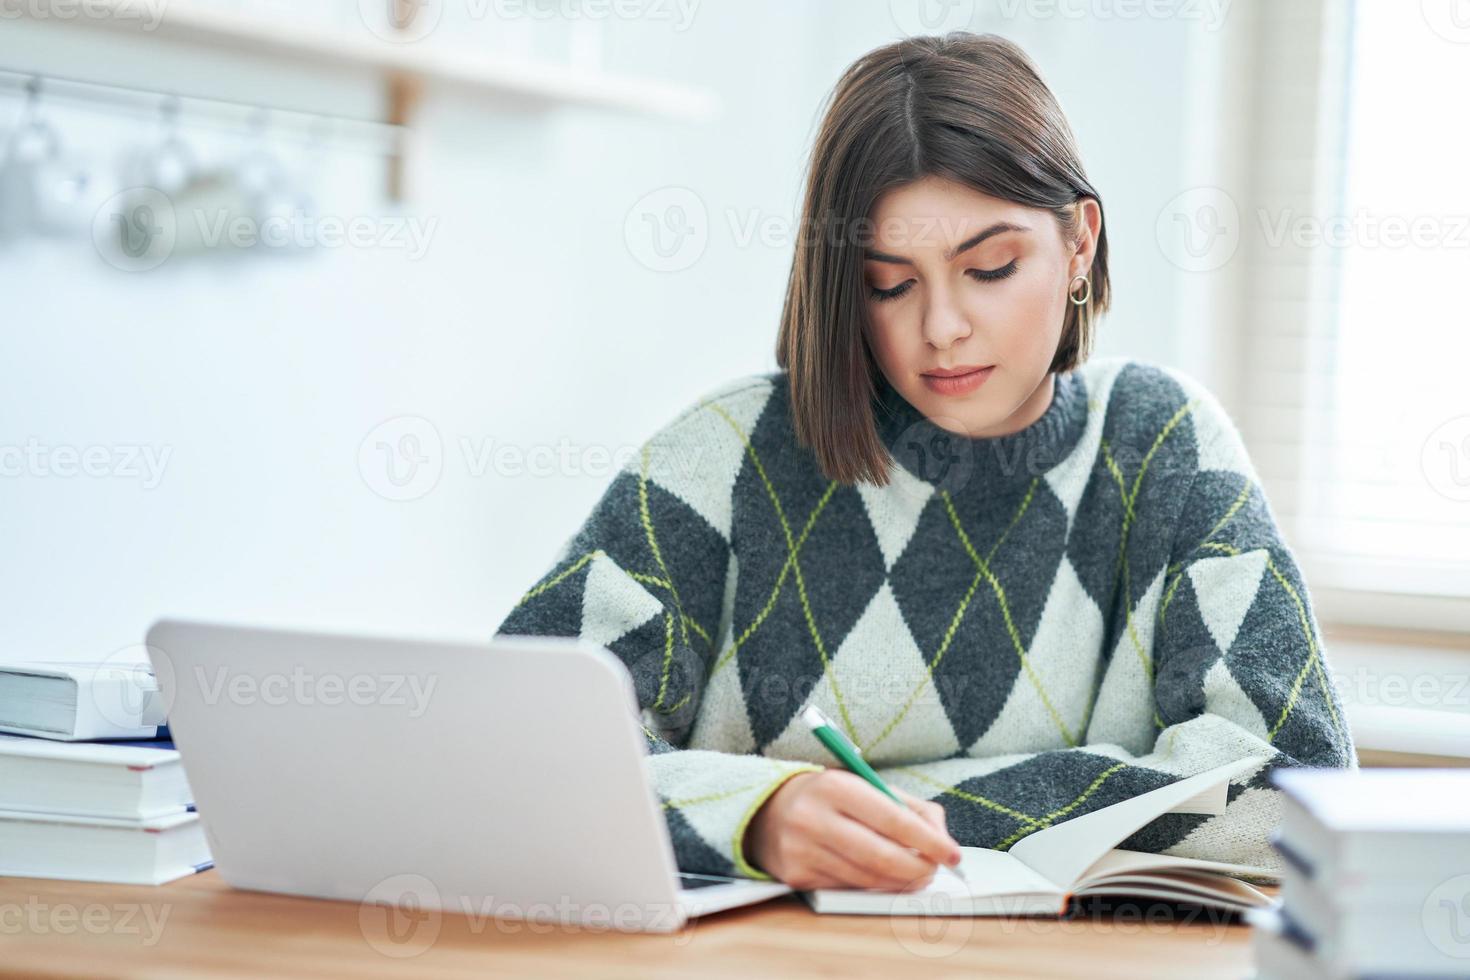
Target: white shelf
point(306, 44)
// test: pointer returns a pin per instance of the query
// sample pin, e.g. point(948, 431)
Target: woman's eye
point(991, 275)
point(981, 275)
point(894, 293)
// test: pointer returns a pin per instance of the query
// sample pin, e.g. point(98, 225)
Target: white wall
point(527, 321)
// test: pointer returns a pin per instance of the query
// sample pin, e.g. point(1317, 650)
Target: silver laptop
point(504, 779)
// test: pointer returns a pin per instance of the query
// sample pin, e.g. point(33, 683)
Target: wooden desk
point(200, 927)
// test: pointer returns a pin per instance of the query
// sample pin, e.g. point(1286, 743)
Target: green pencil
point(851, 757)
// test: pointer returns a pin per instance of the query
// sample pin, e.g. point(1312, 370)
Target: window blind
point(1356, 274)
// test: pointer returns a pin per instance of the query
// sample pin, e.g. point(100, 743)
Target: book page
point(991, 874)
point(1211, 802)
point(1063, 852)
point(1210, 890)
point(1119, 861)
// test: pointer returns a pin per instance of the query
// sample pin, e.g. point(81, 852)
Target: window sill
point(1377, 609)
point(1406, 694)
point(1387, 736)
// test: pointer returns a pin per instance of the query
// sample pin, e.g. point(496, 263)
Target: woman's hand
point(832, 829)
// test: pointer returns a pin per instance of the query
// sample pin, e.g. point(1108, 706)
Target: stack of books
point(1377, 879)
point(91, 787)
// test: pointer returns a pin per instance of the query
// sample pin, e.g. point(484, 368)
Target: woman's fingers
point(928, 809)
point(832, 829)
point(902, 826)
point(866, 879)
point(890, 864)
point(829, 869)
point(839, 865)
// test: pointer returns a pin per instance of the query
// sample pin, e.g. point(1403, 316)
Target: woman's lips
point(961, 384)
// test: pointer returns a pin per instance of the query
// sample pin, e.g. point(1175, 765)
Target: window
point(1381, 499)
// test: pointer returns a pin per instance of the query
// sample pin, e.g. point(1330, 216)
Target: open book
point(1043, 871)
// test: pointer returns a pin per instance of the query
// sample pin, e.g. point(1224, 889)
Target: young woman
point(1025, 582)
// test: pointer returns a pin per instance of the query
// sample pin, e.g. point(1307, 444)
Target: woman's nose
point(944, 322)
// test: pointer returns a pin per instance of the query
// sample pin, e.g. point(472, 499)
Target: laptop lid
point(503, 779)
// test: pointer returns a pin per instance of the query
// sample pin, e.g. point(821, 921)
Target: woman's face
point(957, 279)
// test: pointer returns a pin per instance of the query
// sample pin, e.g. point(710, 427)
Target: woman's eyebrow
point(998, 228)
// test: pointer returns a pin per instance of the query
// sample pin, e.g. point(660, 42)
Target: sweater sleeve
point(644, 576)
point(1231, 666)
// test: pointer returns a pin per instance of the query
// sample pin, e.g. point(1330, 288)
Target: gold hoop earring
point(1086, 291)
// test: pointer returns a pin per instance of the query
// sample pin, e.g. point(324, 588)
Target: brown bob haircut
point(971, 108)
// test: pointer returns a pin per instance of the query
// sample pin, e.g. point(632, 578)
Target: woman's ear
point(1089, 226)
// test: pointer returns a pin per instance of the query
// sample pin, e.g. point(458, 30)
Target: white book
point(1359, 831)
point(73, 701)
point(135, 852)
point(1043, 871)
point(1377, 864)
point(1277, 955)
point(1400, 930)
point(91, 779)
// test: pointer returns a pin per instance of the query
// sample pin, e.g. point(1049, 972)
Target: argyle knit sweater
point(1022, 628)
